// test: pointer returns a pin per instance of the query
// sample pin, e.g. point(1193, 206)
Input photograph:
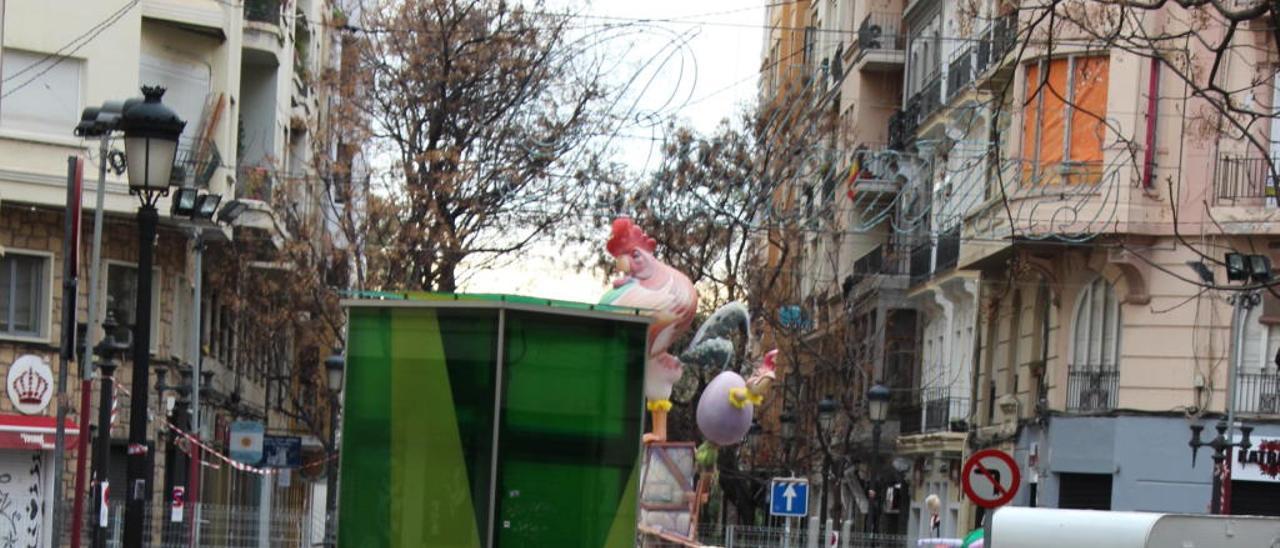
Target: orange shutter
point(1088, 126)
point(1029, 122)
point(1053, 127)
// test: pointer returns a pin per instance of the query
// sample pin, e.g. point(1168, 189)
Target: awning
point(33, 433)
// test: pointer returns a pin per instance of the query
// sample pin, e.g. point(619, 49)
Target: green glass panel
point(366, 432)
point(424, 458)
point(571, 425)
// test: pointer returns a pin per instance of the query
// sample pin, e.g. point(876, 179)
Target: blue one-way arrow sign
point(789, 497)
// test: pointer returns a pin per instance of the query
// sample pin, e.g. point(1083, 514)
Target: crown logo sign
point(30, 387)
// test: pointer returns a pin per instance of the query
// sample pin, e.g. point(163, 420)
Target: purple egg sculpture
point(718, 419)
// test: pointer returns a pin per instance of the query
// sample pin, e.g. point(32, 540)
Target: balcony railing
point(1092, 388)
point(195, 164)
point(1245, 178)
point(921, 261)
point(959, 72)
point(995, 42)
point(879, 31)
point(884, 259)
point(1258, 392)
point(944, 412)
point(948, 249)
point(262, 11)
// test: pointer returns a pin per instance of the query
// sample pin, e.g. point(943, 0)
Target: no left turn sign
point(990, 478)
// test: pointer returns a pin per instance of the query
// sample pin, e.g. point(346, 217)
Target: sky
point(695, 63)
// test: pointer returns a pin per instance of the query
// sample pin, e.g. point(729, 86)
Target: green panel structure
point(490, 420)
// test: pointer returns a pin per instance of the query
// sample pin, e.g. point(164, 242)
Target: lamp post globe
point(826, 414)
point(878, 403)
point(151, 132)
point(333, 367)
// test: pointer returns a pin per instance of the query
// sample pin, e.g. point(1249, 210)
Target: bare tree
point(486, 110)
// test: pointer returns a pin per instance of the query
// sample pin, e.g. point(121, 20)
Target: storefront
point(26, 453)
point(1255, 478)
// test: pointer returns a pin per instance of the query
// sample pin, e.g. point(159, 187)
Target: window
point(1092, 377)
point(1063, 122)
point(44, 94)
point(187, 84)
point(1258, 380)
point(1097, 326)
point(24, 295)
point(122, 295)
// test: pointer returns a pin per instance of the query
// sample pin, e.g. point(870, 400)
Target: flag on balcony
point(855, 172)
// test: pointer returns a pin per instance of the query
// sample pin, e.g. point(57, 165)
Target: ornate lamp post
point(334, 367)
point(113, 345)
point(787, 422)
point(877, 410)
point(826, 416)
point(151, 132)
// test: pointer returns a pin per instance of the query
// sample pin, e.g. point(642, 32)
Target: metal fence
point(1258, 392)
point(1244, 178)
point(220, 527)
point(1092, 388)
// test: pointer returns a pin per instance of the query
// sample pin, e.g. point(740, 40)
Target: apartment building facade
point(1042, 198)
point(245, 77)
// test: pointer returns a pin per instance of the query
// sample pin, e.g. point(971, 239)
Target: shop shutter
point(1084, 491)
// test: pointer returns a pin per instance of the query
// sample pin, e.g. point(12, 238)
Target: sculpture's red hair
point(627, 236)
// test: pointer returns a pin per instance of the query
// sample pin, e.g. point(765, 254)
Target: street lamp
point(826, 415)
point(334, 367)
point(151, 132)
point(1240, 268)
point(113, 345)
point(877, 409)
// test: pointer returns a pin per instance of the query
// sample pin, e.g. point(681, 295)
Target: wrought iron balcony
point(195, 164)
point(1241, 177)
point(944, 412)
point(959, 72)
point(948, 249)
point(883, 259)
point(880, 43)
point(921, 261)
point(993, 44)
point(1092, 388)
point(1258, 392)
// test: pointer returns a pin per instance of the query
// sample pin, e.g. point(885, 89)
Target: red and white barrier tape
point(230, 461)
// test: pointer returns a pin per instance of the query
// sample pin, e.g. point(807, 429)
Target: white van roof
point(1022, 527)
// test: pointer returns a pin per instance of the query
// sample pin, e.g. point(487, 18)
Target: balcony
point(948, 249)
point(1258, 393)
point(959, 72)
point(880, 44)
point(921, 262)
point(944, 412)
point(1243, 180)
point(884, 259)
point(255, 183)
point(195, 164)
point(933, 410)
point(991, 68)
point(262, 11)
point(1092, 388)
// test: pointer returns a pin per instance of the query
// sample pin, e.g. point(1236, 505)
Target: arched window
point(1259, 382)
point(1092, 376)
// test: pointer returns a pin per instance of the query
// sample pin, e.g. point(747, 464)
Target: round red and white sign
point(990, 478)
point(30, 384)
